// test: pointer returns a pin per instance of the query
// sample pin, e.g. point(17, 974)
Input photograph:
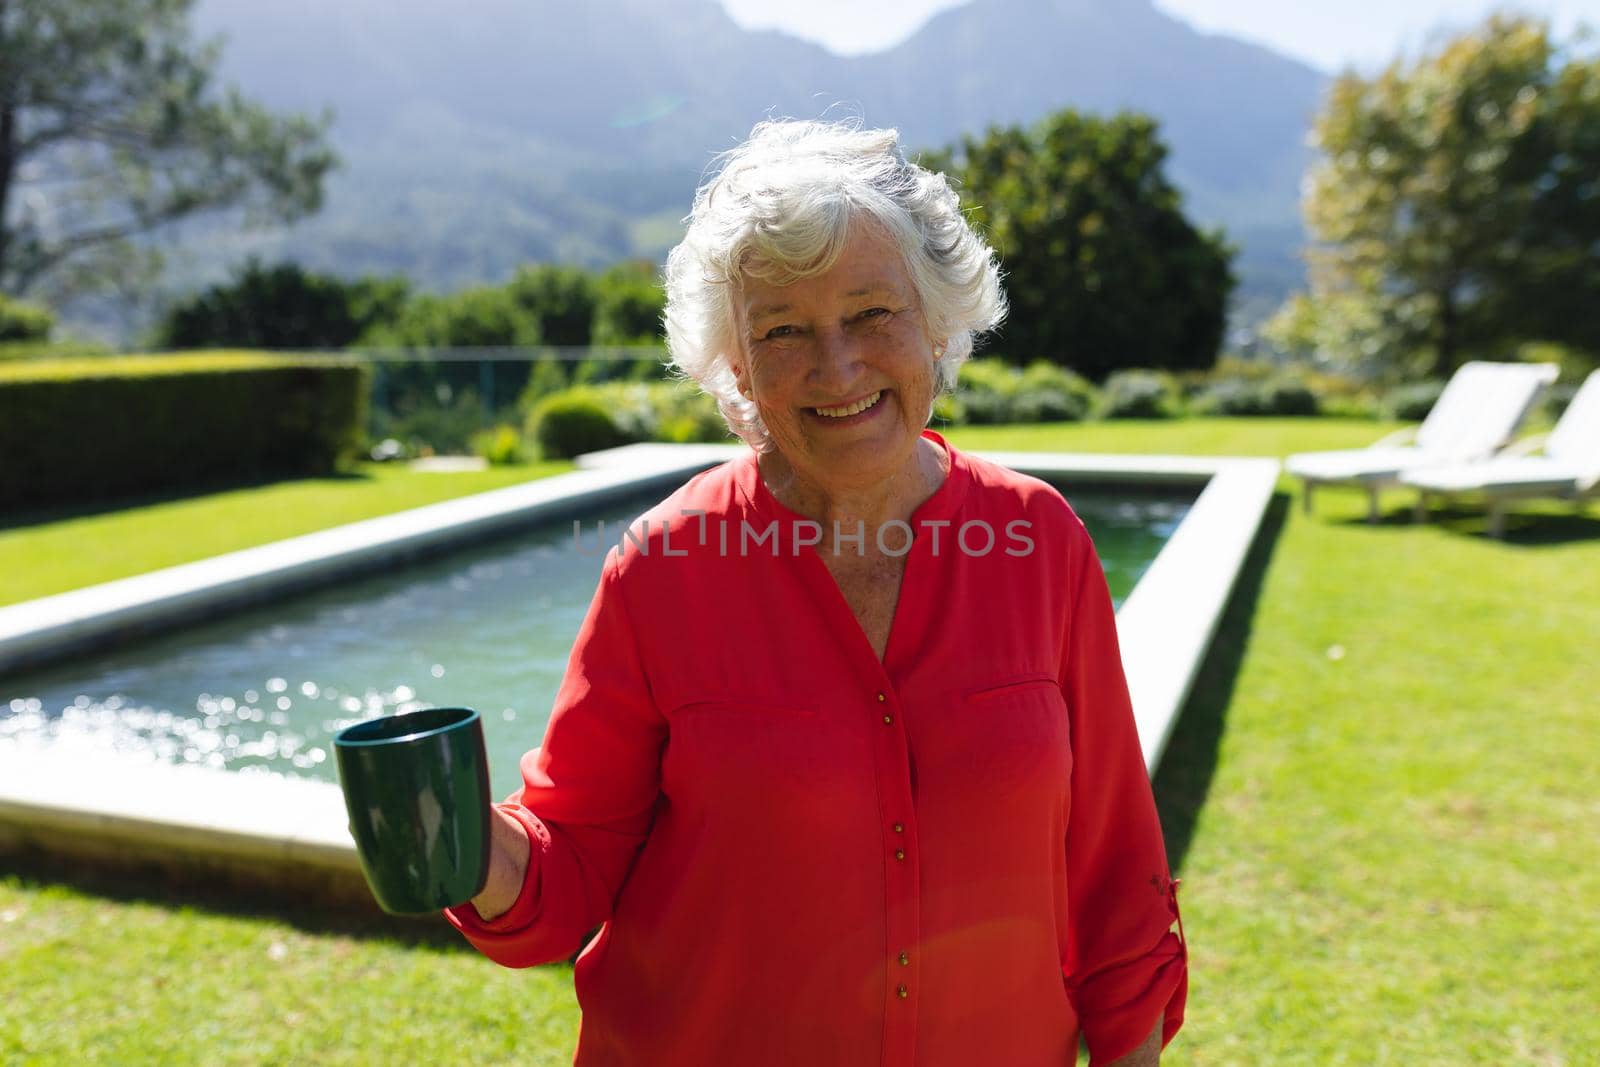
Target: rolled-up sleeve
point(589, 794)
point(1125, 967)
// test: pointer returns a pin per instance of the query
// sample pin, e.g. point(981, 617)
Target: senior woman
point(843, 766)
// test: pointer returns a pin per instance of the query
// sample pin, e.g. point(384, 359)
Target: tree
point(1102, 269)
point(629, 303)
point(1455, 206)
point(484, 316)
point(478, 317)
point(283, 307)
point(562, 299)
point(110, 127)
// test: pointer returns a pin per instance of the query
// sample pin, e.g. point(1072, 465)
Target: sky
point(1328, 34)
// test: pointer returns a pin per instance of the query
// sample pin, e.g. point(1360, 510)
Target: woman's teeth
point(853, 409)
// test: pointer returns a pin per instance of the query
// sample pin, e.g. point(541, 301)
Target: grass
point(52, 553)
point(96, 974)
point(1377, 799)
point(1379, 793)
point(1196, 437)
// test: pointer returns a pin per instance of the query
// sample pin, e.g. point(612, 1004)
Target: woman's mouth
point(848, 410)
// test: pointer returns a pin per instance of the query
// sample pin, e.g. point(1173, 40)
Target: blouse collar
point(941, 505)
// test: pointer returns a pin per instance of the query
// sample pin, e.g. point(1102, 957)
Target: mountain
point(476, 137)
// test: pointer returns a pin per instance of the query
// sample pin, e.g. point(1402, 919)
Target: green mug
point(416, 787)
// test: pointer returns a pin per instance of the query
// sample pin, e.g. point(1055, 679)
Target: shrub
point(1139, 394)
point(684, 413)
point(1045, 405)
point(565, 423)
point(24, 322)
point(501, 446)
point(984, 388)
point(1229, 397)
point(1411, 403)
point(992, 391)
point(576, 421)
point(1352, 406)
point(986, 376)
point(1285, 397)
point(984, 408)
point(1242, 397)
point(1233, 366)
point(1073, 394)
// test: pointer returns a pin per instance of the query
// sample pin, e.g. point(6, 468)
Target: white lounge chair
point(1477, 413)
point(1569, 467)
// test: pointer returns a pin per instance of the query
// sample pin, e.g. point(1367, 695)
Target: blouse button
point(903, 992)
point(905, 959)
point(899, 827)
point(899, 853)
point(888, 720)
point(881, 697)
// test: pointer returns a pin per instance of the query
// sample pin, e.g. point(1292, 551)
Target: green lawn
point(51, 556)
point(1195, 437)
point(1378, 798)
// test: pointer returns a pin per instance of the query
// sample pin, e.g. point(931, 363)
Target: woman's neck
point(837, 500)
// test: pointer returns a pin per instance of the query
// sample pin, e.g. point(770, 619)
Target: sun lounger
point(1477, 413)
point(1568, 468)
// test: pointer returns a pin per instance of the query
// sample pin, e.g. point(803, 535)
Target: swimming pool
point(488, 626)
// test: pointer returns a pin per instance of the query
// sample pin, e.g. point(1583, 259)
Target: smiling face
point(840, 366)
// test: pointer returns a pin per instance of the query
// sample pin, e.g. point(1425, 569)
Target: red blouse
point(803, 855)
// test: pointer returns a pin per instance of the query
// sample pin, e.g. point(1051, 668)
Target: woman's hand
point(508, 866)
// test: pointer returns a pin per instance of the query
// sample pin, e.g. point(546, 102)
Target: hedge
point(77, 429)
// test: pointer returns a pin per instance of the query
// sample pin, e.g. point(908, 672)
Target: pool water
point(489, 627)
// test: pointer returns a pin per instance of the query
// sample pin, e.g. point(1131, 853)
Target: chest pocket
point(1016, 740)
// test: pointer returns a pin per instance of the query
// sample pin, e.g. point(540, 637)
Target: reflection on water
point(487, 627)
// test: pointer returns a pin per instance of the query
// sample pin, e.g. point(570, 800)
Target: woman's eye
point(778, 331)
point(872, 313)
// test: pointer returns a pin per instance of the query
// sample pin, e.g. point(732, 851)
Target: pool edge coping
point(113, 807)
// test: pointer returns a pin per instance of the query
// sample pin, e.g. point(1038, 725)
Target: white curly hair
point(779, 208)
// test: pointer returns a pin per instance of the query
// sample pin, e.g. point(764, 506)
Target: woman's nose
point(837, 363)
